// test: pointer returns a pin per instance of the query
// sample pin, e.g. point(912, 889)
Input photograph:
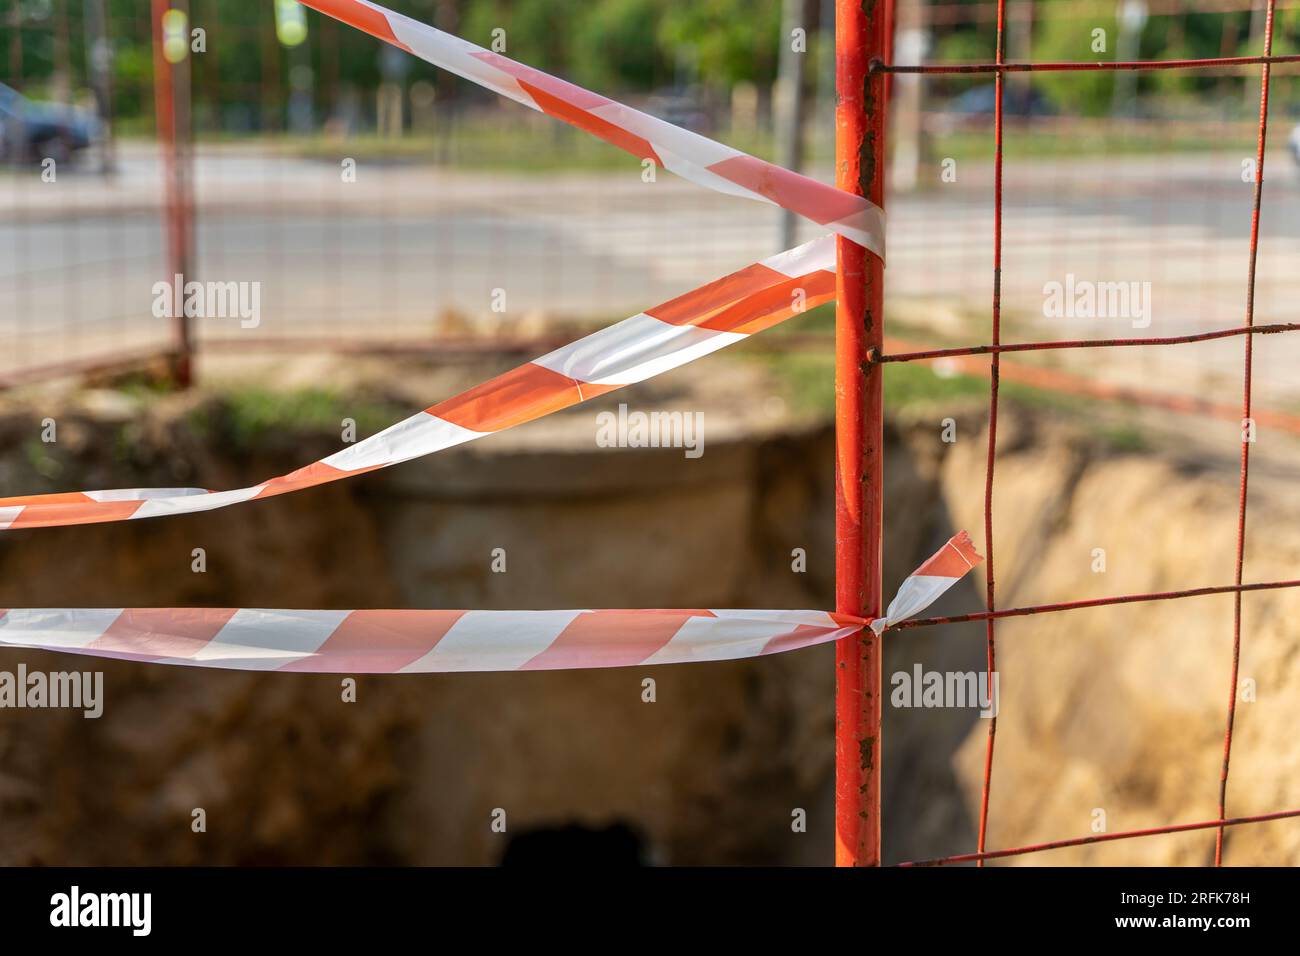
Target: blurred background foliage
point(243, 81)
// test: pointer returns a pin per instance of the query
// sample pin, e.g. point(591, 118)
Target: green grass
point(528, 143)
point(1123, 437)
point(41, 459)
point(144, 387)
point(533, 144)
point(809, 371)
point(809, 380)
point(1048, 144)
point(248, 416)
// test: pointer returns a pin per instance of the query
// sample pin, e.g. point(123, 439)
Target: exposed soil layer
point(1117, 710)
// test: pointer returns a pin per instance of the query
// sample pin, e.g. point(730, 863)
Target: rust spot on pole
point(867, 751)
point(867, 160)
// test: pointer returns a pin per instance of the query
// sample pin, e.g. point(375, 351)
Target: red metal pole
point(861, 34)
point(176, 207)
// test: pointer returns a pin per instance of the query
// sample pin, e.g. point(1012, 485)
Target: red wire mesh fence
point(996, 348)
point(451, 182)
point(85, 281)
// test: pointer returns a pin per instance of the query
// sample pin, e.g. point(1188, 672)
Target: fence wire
point(995, 349)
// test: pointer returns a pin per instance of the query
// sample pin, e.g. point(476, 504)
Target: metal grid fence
point(1000, 68)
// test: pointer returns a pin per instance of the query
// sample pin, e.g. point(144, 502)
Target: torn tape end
point(962, 542)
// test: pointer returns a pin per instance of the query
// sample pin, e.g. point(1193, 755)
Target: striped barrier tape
point(694, 157)
point(670, 335)
point(422, 641)
point(677, 332)
point(923, 586)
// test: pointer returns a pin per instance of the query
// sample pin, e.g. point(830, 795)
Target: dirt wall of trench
point(1117, 709)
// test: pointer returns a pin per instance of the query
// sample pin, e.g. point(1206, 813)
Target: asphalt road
point(414, 250)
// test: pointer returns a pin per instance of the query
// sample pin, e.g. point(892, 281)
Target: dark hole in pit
point(573, 844)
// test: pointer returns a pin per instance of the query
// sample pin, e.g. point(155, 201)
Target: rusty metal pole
point(861, 35)
point(175, 186)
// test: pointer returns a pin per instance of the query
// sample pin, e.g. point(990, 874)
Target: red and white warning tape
point(693, 157)
point(923, 586)
point(389, 642)
point(709, 318)
point(663, 338)
point(412, 642)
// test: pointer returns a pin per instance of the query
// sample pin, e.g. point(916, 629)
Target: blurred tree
point(971, 45)
point(1286, 36)
point(609, 44)
point(537, 32)
point(614, 45)
point(724, 41)
point(1062, 34)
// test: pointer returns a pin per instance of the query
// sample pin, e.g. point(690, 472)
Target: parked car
point(31, 131)
point(1016, 101)
point(973, 109)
